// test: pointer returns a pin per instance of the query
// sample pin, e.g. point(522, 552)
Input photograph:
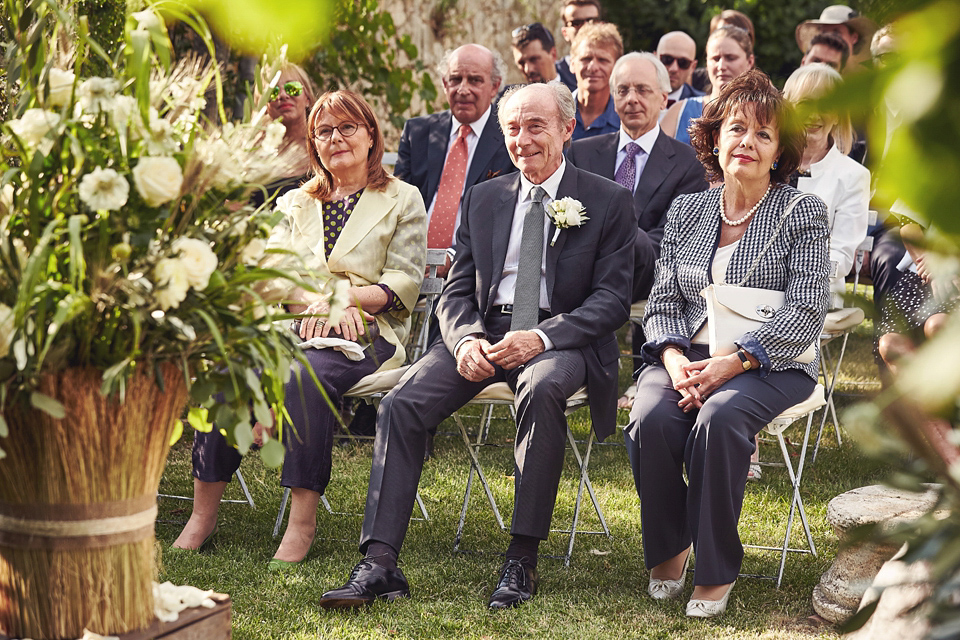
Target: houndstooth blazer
point(797, 263)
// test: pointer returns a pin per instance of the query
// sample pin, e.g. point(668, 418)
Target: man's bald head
point(679, 49)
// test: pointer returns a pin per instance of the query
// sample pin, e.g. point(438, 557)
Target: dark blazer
point(671, 169)
point(423, 150)
point(689, 92)
point(588, 273)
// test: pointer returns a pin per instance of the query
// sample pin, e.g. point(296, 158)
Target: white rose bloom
point(104, 189)
point(33, 126)
point(158, 179)
point(253, 252)
point(170, 274)
point(61, 84)
point(198, 260)
point(123, 109)
point(218, 157)
point(273, 136)
point(97, 94)
point(571, 217)
point(146, 20)
point(6, 329)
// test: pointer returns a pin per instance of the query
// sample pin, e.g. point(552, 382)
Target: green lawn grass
point(601, 595)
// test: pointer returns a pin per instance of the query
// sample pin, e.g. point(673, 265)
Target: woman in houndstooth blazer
point(703, 413)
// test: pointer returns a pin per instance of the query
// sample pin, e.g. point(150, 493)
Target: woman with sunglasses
point(288, 101)
point(354, 229)
point(729, 54)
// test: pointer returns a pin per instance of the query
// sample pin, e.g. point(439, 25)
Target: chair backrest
point(430, 289)
point(389, 160)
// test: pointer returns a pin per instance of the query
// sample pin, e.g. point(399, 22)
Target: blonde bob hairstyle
point(811, 82)
point(344, 105)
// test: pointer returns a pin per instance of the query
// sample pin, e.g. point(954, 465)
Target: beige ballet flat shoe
point(667, 589)
point(709, 608)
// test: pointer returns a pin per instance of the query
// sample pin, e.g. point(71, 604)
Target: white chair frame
point(499, 394)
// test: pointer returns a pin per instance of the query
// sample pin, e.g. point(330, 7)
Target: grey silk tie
point(526, 294)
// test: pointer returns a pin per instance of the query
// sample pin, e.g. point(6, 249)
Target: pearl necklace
point(736, 223)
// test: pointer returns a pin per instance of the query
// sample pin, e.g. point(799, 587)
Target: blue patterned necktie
point(627, 173)
point(526, 293)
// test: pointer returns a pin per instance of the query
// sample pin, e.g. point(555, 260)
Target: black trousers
point(309, 442)
point(429, 393)
point(714, 444)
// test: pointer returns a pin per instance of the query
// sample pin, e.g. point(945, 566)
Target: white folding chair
point(839, 324)
point(777, 426)
point(499, 394)
point(376, 385)
point(247, 498)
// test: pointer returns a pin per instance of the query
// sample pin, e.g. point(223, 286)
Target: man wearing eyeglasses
point(654, 167)
point(575, 14)
point(535, 52)
point(678, 53)
point(443, 154)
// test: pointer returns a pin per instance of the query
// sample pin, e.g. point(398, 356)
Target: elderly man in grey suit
point(444, 154)
point(640, 157)
point(528, 302)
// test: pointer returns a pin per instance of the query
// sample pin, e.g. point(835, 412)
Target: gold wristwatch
point(744, 360)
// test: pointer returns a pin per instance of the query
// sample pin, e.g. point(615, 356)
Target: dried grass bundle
point(101, 453)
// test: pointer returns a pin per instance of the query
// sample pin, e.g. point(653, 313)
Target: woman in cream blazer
point(358, 236)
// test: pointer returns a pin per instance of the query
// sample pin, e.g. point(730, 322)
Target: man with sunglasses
point(535, 52)
point(575, 14)
point(678, 53)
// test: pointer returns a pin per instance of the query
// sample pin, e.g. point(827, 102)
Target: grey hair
point(497, 70)
point(878, 35)
point(566, 105)
point(663, 76)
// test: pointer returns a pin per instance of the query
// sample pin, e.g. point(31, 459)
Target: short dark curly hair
point(751, 91)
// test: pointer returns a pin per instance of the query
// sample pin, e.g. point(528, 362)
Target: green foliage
point(105, 20)
point(365, 53)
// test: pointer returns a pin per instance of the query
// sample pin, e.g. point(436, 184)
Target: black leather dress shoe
point(518, 583)
point(367, 582)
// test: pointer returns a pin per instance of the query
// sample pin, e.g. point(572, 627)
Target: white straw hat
point(837, 14)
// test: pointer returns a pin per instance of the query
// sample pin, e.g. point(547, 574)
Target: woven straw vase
point(78, 505)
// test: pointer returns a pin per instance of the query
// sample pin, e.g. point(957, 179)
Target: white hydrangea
point(104, 189)
point(60, 83)
point(123, 109)
point(158, 179)
point(159, 136)
point(32, 128)
point(224, 169)
point(198, 260)
point(170, 274)
point(96, 95)
point(273, 136)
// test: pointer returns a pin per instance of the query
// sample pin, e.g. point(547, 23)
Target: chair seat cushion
point(379, 382)
point(785, 419)
point(840, 320)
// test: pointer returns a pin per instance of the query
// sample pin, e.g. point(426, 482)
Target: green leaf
point(243, 433)
point(177, 432)
point(198, 417)
point(48, 405)
point(272, 453)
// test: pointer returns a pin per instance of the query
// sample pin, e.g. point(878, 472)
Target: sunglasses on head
point(683, 63)
point(292, 89)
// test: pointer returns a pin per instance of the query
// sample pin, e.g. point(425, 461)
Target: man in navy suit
point(525, 303)
point(678, 53)
point(663, 168)
point(471, 76)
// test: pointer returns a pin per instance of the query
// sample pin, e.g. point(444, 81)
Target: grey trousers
point(714, 444)
point(429, 393)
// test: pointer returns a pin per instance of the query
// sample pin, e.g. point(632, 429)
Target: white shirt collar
point(551, 185)
point(646, 141)
point(477, 125)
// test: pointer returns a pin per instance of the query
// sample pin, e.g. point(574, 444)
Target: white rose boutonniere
point(565, 213)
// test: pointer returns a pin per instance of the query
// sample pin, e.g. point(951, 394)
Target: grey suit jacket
point(797, 263)
point(588, 272)
point(423, 150)
point(672, 169)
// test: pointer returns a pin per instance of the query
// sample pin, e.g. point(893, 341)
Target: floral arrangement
point(124, 240)
point(565, 213)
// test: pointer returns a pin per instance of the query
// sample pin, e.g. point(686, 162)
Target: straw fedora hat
point(837, 14)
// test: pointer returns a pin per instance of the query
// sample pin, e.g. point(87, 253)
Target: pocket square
point(493, 174)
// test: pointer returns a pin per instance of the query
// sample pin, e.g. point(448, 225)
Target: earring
point(774, 167)
point(716, 151)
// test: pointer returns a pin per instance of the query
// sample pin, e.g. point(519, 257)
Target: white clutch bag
point(733, 311)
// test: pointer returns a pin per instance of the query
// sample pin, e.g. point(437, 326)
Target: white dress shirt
point(645, 142)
